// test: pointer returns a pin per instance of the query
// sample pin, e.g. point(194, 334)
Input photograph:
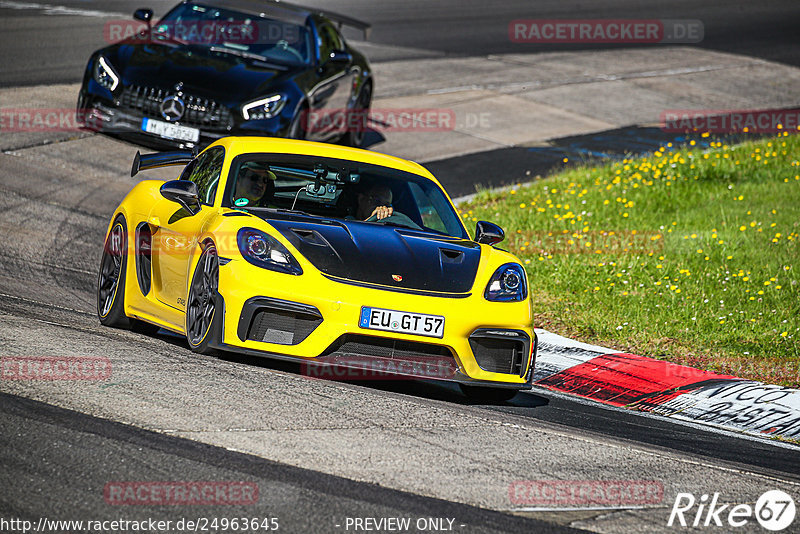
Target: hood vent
point(451, 256)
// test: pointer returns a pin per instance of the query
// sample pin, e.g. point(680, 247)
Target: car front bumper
point(315, 320)
point(102, 116)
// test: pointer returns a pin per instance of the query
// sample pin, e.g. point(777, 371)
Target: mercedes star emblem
point(172, 108)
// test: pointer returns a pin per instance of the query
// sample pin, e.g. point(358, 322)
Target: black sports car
point(230, 67)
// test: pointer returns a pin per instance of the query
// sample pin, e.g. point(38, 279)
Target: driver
point(255, 185)
point(375, 201)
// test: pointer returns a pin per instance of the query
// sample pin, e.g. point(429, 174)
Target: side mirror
point(184, 193)
point(340, 56)
point(488, 233)
point(145, 15)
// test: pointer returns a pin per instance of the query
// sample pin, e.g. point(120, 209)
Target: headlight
point(104, 74)
point(263, 108)
point(264, 251)
point(508, 284)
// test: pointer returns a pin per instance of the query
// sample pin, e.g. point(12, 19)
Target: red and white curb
point(675, 391)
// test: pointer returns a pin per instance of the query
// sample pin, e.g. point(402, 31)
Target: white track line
point(60, 10)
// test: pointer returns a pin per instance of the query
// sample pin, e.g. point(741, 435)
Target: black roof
point(262, 8)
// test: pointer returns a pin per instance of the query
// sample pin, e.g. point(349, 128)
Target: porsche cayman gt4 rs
point(332, 256)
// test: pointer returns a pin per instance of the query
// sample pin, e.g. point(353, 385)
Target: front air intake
point(282, 327)
point(500, 351)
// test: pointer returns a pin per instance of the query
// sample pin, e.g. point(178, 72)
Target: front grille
point(282, 327)
point(499, 355)
point(394, 356)
point(200, 112)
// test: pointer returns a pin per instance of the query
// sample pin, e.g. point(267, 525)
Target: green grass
point(686, 255)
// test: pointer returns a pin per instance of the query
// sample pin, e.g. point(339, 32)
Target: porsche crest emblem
point(397, 278)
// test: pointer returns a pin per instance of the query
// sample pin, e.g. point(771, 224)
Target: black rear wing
point(144, 162)
point(339, 19)
point(344, 20)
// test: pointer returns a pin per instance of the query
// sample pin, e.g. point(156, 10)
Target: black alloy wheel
point(200, 306)
point(111, 278)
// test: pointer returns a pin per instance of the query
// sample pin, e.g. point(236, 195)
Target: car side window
point(329, 41)
point(205, 172)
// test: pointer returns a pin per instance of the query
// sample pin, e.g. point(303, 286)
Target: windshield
point(277, 41)
point(340, 189)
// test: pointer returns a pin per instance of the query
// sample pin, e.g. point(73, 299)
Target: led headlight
point(263, 108)
point(104, 74)
point(508, 284)
point(265, 251)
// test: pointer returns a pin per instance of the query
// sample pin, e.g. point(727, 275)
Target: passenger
point(255, 185)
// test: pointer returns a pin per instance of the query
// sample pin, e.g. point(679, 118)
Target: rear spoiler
point(144, 162)
point(344, 20)
point(341, 20)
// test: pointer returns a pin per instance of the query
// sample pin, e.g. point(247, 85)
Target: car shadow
point(424, 389)
point(372, 137)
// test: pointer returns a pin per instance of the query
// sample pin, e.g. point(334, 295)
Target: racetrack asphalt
point(318, 449)
point(46, 447)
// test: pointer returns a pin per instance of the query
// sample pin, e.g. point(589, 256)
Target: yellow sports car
point(336, 257)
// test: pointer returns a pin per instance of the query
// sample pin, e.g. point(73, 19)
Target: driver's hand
point(381, 212)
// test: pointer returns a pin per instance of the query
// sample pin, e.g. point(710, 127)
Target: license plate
point(170, 131)
point(398, 321)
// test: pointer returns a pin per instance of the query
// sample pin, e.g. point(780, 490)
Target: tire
point(355, 138)
point(487, 394)
point(111, 278)
point(201, 301)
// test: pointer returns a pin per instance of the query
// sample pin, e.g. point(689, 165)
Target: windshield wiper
point(397, 224)
point(236, 52)
point(249, 55)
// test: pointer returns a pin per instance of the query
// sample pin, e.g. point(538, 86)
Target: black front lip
point(458, 378)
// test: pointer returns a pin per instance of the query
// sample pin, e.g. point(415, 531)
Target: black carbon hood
point(378, 254)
